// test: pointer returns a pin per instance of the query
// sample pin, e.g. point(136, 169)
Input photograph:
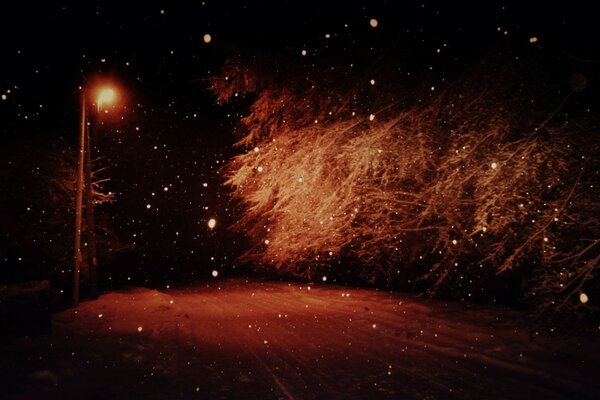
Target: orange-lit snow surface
point(237, 339)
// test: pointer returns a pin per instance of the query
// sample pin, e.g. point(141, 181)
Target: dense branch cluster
point(454, 187)
point(37, 210)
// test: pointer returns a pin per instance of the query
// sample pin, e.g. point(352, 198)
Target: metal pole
point(91, 226)
point(78, 203)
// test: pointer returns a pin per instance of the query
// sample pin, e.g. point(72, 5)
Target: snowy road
point(285, 341)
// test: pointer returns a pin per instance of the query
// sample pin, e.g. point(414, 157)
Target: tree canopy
point(448, 188)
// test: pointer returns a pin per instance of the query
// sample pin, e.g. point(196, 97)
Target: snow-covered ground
point(237, 339)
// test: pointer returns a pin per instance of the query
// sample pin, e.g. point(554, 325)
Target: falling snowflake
point(215, 273)
point(207, 38)
point(212, 223)
point(583, 298)
point(373, 22)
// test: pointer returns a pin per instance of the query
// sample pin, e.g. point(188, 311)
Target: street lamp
point(105, 95)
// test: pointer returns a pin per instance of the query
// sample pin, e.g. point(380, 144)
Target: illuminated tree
point(453, 187)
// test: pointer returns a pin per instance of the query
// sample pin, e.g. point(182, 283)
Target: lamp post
point(106, 95)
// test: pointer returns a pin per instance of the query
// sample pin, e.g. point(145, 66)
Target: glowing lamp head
point(106, 96)
point(212, 223)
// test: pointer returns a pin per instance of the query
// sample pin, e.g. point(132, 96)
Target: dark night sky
point(156, 48)
point(172, 135)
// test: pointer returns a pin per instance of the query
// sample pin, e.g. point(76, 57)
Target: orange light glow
point(105, 95)
point(212, 223)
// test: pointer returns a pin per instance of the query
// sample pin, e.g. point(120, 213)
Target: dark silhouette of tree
point(454, 187)
point(38, 178)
